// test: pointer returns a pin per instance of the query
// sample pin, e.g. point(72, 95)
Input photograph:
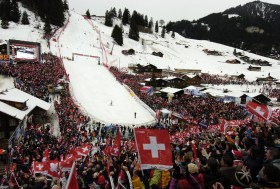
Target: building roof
point(170, 90)
point(16, 95)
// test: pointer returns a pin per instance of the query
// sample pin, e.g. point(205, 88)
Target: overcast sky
point(168, 10)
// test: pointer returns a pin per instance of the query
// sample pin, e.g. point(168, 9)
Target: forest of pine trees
point(52, 10)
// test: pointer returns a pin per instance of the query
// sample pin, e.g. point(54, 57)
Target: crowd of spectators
point(204, 159)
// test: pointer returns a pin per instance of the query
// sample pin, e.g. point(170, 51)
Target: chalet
point(15, 105)
point(175, 82)
point(265, 63)
point(254, 68)
point(238, 77)
point(245, 58)
point(128, 52)
point(148, 69)
point(209, 52)
point(195, 80)
point(157, 83)
point(268, 79)
point(233, 61)
point(277, 84)
point(160, 54)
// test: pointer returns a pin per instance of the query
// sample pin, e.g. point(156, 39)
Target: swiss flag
point(116, 149)
point(108, 147)
point(39, 167)
point(259, 110)
point(72, 182)
point(52, 167)
point(154, 148)
point(83, 150)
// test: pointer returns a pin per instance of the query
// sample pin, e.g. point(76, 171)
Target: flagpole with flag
point(72, 182)
point(138, 153)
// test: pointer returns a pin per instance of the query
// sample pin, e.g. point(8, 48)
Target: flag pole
point(70, 175)
point(139, 158)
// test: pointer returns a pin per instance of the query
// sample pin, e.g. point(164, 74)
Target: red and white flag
point(116, 149)
point(39, 167)
point(259, 110)
point(154, 148)
point(83, 150)
point(52, 167)
point(72, 182)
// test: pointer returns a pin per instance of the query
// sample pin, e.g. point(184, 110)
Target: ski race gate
point(85, 55)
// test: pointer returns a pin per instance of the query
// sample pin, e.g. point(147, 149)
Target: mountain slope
point(254, 26)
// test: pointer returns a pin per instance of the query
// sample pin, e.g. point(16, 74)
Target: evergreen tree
point(120, 14)
point(151, 24)
point(173, 34)
point(47, 27)
point(113, 12)
point(4, 23)
point(5, 10)
point(117, 35)
point(88, 14)
point(133, 30)
point(65, 5)
point(146, 21)
point(108, 19)
point(126, 16)
point(25, 20)
point(56, 12)
point(15, 13)
point(156, 27)
point(163, 32)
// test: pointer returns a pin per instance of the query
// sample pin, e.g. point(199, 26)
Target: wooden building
point(254, 68)
point(267, 79)
point(151, 69)
point(233, 61)
point(15, 105)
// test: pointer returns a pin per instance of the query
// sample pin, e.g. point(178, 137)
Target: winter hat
point(192, 168)
point(243, 177)
point(237, 154)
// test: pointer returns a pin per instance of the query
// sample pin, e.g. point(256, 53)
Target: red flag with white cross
point(116, 149)
point(154, 148)
point(260, 110)
point(83, 150)
point(39, 167)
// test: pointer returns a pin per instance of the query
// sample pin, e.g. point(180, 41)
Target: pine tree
point(47, 27)
point(4, 23)
point(5, 10)
point(163, 32)
point(151, 24)
point(133, 30)
point(15, 13)
point(113, 12)
point(156, 27)
point(126, 16)
point(88, 14)
point(120, 14)
point(117, 35)
point(108, 19)
point(25, 20)
point(173, 34)
point(65, 5)
point(146, 21)
point(56, 12)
